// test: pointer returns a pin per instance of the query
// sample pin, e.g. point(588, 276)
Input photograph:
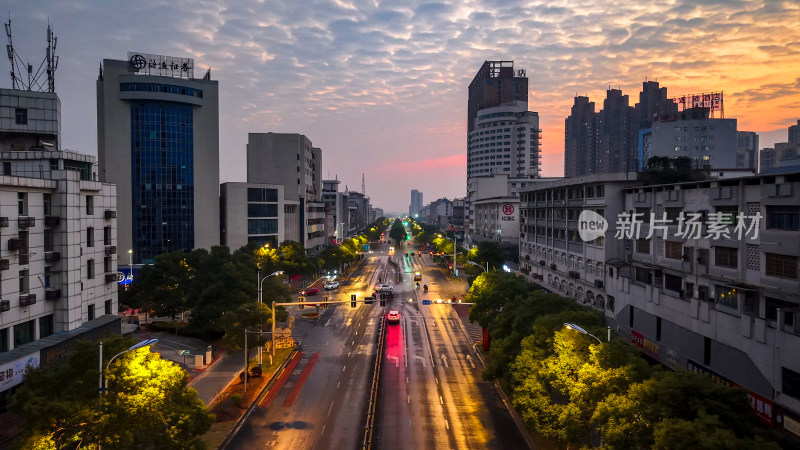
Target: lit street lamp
point(140, 344)
point(455, 270)
point(572, 326)
point(485, 269)
point(260, 285)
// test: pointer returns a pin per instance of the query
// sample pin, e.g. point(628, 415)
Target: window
point(673, 250)
point(4, 340)
point(673, 214)
point(783, 217)
point(47, 276)
point(47, 202)
point(48, 240)
point(791, 383)
point(262, 210)
point(90, 268)
point(45, 326)
point(90, 312)
point(658, 328)
point(262, 195)
point(107, 264)
point(726, 296)
point(22, 203)
point(90, 237)
point(783, 266)
point(21, 116)
point(726, 257)
point(262, 226)
point(643, 246)
point(24, 333)
point(672, 282)
point(643, 275)
point(6, 168)
point(89, 205)
point(707, 351)
point(23, 281)
point(727, 214)
point(290, 209)
point(107, 235)
point(108, 307)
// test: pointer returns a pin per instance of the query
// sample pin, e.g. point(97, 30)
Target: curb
point(275, 375)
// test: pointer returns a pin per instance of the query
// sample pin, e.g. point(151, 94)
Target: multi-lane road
point(430, 395)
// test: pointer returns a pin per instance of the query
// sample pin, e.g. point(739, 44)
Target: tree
point(489, 251)
point(490, 292)
point(148, 403)
point(249, 316)
point(162, 286)
point(398, 231)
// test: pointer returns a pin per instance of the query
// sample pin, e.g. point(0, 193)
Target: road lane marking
point(353, 342)
point(406, 380)
point(444, 360)
point(330, 409)
point(344, 367)
point(338, 384)
point(323, 430)
point(301, 381)
point(348, 354)
point(446, 424)
point(421, 359)
point(328, 322)
point(282, 377)
point(409, 399)
point(469, 358)
point(436, 379)
point(441, 400)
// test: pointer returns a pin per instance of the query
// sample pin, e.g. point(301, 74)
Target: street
point(431, 394)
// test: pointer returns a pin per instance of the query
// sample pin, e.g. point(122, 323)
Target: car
point(383, 288)
point(311, 291)
point(417, 276)
point(331, 285)
point(393, 317)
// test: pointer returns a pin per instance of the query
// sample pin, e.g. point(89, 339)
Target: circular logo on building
point(508, 209)
point(120, 277)
point(138, 62)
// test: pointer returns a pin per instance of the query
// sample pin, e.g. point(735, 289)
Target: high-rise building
point(746, 149)
point(253, 212)
point(270, 160)
point(416, 202)
point(709, 142)
point(794, 134)
point(653, 103)
point(336, 211)
point(616, 134)
point(158, 141)
point(494, 84)
point(580, 139)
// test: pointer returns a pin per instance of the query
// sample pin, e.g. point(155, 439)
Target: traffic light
point(383, 302)
point(352, 300)
point(301, 299)
point(325, 301)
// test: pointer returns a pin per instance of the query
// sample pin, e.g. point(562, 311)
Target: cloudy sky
point(381, 86)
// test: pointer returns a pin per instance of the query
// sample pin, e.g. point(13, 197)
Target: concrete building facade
point(707, 141)
point(416, 202)
point(270, 158)
point(255, 213)
point(747, 149)
point(158, 141)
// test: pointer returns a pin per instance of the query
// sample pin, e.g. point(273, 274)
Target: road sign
point(184, 353)
point(426, 302)
point(284, 342)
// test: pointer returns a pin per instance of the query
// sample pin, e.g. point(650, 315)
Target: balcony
point(52, 294)
point(52, 221)
point(110, 214)
point(111, 250)
point(4, 222)
point(27, 222)
point(111, 277)
point(5, 305)
point(4, 264)
point(51, 257)
point(27, 299)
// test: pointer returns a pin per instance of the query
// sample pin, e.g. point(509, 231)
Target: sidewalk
point(214, 379)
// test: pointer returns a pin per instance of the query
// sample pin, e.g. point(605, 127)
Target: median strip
point(300, 381)
point(267, 401)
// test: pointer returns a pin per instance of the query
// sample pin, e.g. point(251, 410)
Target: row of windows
point(262, 210)
point(575, 193)
point(164, 88)
point(262, 195)
point(262, 226)
point(696, 128)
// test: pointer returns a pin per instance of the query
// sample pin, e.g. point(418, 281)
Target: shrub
point(236, 399)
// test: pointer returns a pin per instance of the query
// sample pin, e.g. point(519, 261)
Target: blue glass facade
point(163, 182)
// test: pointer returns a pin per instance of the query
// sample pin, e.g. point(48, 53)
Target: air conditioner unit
point(553, 266)
point(542, 262)
point(52, 294)
point(27, 222)
point(3, 222)
point(111, 250)
point(4, 264)
point(52, 257)
point(15, 244)
point(110, 214)
point(574, 274)
point(111, 277)
point(5, 305)
point(27, 299)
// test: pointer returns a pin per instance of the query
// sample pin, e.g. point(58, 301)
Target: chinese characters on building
point(717, 225)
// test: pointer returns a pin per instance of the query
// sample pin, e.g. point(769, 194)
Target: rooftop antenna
point(47, 69)
point(363, 185)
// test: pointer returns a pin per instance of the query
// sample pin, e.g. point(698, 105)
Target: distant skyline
point(382, 87)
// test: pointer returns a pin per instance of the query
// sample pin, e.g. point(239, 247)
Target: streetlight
point(260, 285)
point(572, 326)
point(130, 267)
point(133, 347)
point(485, 269)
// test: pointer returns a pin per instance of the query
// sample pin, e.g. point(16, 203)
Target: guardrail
point(366, 444)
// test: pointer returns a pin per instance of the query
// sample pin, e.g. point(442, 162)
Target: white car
point(331, 285)
point(383, 288)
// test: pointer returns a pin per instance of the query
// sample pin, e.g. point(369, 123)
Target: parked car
point(311, 291)
point(383, 288)
point(331, 285)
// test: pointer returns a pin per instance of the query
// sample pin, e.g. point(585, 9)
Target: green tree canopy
point(490, 292)
point(148, 403)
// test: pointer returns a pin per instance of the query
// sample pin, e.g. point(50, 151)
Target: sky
point(381, 86)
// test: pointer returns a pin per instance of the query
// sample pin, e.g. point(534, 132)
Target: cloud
point(371, 82)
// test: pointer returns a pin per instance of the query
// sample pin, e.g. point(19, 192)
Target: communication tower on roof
point(23, 76)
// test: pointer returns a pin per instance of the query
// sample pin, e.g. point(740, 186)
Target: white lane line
point(338, 384)
point(441, 400)
point(344, 367)
point(406, 380)
point(469, 358)
point(353, 342)
point(323, 430)
point(328, 322)
point(330, 409)
point(436, 379)
point(409, 399)
point(446, 424)
point(348, 354)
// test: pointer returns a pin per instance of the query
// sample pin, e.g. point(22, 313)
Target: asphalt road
point(431, 393)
